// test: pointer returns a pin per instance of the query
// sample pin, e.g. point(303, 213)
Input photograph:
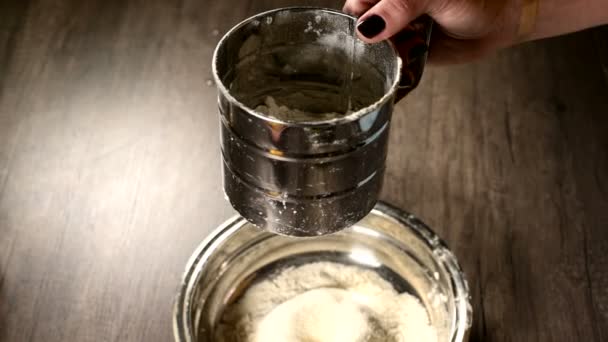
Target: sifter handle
point(412, 45)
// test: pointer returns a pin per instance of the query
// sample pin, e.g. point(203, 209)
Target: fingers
point(387, 18)
point(358, 7)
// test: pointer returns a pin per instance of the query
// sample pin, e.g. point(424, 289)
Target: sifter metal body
point(318, 174)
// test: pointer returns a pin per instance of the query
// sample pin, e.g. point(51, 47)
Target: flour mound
point(325, 302)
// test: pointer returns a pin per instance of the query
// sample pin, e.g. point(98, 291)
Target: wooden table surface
point(110, 170)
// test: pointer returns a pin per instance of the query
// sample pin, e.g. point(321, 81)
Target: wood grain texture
point(109, 170)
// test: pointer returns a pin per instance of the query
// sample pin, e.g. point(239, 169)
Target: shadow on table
point(3, 308)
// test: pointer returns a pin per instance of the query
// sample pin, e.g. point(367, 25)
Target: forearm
point(556, 17)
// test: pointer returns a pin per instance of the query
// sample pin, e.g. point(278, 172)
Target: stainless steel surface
point(315, 176)
point(389, 241)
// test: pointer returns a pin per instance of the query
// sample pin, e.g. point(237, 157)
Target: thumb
point(388, 17)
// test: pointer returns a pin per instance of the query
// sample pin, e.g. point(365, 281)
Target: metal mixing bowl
point(395, 244)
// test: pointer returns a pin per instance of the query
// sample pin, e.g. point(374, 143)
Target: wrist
point(520, 22)
point(538, 19)
point(528, 15)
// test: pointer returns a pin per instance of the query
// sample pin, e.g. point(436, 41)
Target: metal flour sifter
point(320, 171)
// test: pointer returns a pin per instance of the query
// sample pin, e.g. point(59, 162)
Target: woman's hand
point(468, 29)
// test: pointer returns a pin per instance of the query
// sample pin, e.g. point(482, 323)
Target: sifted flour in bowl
point(325, 302)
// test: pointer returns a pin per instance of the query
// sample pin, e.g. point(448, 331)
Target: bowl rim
point(182, 321)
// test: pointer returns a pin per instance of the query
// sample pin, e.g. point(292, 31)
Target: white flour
point(272, 109)
point(325, 302)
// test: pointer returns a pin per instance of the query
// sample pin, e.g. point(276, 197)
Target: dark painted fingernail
point(416, 52)
point(371, 26)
